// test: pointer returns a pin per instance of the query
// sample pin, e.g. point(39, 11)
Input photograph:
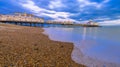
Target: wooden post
point(20, 23)
point(16, 23)
point(34, 25)
point(41, 24)
point(30, 24)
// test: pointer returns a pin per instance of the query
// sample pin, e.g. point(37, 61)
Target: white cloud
point(86, 3)
point(54, 4)
point(110, 22)
point(29, 4)
point(118, 16)
point(105, 1)
point(102, 19)
point(67, 19)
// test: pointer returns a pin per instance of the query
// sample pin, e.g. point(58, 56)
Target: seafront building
point(21, 17)
point(92, 23)
point(60, 22)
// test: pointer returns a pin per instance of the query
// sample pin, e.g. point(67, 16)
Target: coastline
point(77, 55)
point(29, 47)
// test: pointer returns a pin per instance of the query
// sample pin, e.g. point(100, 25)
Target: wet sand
point(22, 46)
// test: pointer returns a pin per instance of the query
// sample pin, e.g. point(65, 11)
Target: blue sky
point(103, 11)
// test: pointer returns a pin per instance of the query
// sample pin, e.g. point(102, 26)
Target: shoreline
point(28, 46)
point(77, 55)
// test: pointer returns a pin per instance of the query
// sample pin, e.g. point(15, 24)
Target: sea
point(93, 46)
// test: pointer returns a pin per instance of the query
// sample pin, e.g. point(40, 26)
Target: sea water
point(91, 44)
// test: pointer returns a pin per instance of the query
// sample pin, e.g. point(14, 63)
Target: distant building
point(24, 14)
point(92, 23)
point(23, 17)
point(60, 21)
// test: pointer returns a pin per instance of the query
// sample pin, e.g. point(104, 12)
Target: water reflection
point(92, 46)
point(84, 33)
point(85, 43)
point(89, 36)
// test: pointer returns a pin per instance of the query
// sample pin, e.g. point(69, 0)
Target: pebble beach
point(22, 46)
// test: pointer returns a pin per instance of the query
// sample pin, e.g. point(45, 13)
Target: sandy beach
point(22, 46)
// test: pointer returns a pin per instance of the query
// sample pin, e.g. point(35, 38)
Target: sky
point(106, 12)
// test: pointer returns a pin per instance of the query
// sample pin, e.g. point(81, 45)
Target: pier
point(31, 20)
point(20, 19)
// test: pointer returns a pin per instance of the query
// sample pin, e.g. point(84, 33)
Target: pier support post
point(30, 24)
point(33, 24)
point(15, 23)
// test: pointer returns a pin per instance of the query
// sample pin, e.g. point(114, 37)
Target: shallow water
point(100, 43)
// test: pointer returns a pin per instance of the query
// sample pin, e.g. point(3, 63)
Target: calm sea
point(91, 44)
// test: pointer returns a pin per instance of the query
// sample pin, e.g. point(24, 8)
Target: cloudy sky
point(102, 11)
